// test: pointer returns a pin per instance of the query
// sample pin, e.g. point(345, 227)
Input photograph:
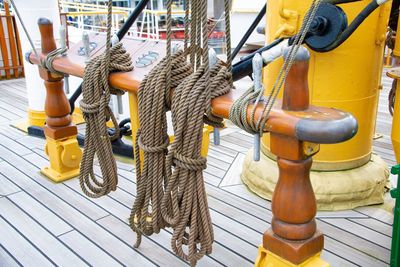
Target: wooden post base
point(295, 252)
point(268, 259)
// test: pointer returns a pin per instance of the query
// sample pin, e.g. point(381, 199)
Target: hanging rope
point(238, 112)
point(152, 139)
point(170, 184)
point(96, 112)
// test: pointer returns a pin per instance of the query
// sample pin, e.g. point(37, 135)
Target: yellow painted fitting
point(35, 118)
point(206, 140)
point(396, 50)
point(77, 116)
point(65, 157)
point(347, 78)
point(396, 125)
point(266, 258)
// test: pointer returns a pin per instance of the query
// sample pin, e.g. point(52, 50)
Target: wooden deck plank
point(89, 251)
point(11, 132)
point(232, 176)
point(80, 221)
point(16, 147)
point(378, 214)
point(231, 145)
point(19, 247)
point(32, 142)
point(8, 114)
point(335, 260)
point(6, 259)
point(38, 236)
point(361, 231)
point(40, 213)
point(223, 150)
point(216, 162)
point(351, 254)
point(211, 179)
point(222, 233)
point(124, 232)
point(220, 156)
point(375, 225)
point(39, 185)
point(7, 187)
point(348, 245)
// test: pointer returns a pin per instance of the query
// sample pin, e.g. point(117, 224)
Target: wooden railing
point(11, 64)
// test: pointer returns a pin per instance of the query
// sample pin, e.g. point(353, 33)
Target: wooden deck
point(47, 224)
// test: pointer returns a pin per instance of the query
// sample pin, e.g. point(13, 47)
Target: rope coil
point(96, 112)
point(170, 184)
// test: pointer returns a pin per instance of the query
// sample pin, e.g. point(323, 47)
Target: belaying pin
point(213, 59)
point(63, 42)
point(86, 44)
point(258, 86)
point(120, 105)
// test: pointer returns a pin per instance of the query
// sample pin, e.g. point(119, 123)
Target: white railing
point(93, 17)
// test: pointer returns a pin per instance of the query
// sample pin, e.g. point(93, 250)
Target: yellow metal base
point(268, 259)
point(38, 118)
point(65, 156)
point(77, 116)
point(35, 118)
point(59, 177)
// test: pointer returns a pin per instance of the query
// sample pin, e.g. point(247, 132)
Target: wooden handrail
point(283, 122)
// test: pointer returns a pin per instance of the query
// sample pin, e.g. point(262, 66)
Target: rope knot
point(154, 149)
point(190, 164)
point(91, 108)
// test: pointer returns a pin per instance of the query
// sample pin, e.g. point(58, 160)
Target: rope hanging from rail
point(238, 112)
point(170, 185)
point(96, 112)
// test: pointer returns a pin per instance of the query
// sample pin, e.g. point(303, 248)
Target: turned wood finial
point(46, 34)
point(296, 93)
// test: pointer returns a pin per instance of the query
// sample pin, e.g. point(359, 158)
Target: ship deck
point(47, 224)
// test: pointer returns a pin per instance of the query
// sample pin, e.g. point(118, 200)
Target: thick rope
point(96, 112)
point(185, 188)
point(170, 185)
point(152, 139)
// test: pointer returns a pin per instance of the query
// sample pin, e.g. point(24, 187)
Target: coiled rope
point(96, 112)
point(238, 112)
point(170, 185)
point(152, 139)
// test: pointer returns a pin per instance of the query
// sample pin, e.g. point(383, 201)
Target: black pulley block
point(329, 22)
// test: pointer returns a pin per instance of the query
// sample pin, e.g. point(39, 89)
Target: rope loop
point(96, 112)
point(154, 149)
point(188, 163)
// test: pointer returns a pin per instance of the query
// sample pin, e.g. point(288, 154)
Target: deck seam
point(11, 255)
point(74, 209)
point(29, 241)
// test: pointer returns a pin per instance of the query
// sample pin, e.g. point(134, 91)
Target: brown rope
point(96, 112)
point(185, 188)
point(152, 139)
point(170, 184)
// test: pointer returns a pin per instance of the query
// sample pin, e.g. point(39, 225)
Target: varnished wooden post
point(293, 235)
point(62, 147)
